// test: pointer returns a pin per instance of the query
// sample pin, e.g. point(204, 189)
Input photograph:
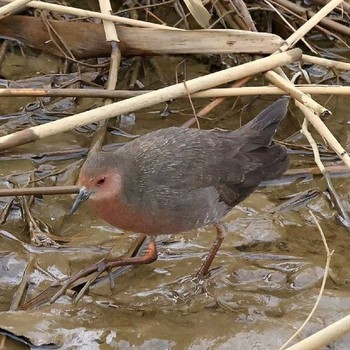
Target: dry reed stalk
point(324, 131)
point(112, 37)
point(301, 11)
point(199, 12)
point(288, 24)
point(149, 99)
point(290, 88)
point(306, 13)
point(32, 31)
point(6, 10)
point(108, 26)
point(333, 25)
point(342, 7)
point(325, 336)
point(326, 62)
point(271, 90)
point(307, 26)
point(91, 14)
point(337, 202)
point(336, 170)
point(215, 92)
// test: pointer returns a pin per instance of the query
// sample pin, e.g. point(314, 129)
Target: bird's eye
point(101, 181)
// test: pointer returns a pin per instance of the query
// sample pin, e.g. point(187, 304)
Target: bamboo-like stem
point(326, 62)
point(109, 26)
point(147, 100)
point(11, 7)
point(325, 336)
point(324, 131)
point(290, 88)
point(97, 93)
point(272, 90)
point(112, 37)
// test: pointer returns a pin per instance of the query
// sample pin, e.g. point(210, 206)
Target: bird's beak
point(83, 195)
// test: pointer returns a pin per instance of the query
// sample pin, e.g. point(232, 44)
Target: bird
point(178, 179)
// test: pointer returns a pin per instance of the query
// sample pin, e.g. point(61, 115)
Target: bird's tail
point(262, 128)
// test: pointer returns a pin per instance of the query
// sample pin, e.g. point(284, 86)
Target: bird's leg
point(107, 264)
point(220, 235)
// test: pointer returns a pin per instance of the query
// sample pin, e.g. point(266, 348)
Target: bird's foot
point(95, 270)
point(42, 239)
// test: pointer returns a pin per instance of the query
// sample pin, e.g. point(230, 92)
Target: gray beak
point(83, 195)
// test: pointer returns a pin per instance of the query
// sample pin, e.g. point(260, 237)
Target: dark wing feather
point(199, 174)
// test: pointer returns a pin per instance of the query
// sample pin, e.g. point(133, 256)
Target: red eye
point(101, 181)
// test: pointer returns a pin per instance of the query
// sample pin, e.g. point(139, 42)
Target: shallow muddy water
point(265, 279)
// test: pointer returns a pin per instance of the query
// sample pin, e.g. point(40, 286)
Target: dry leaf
point(199, 12)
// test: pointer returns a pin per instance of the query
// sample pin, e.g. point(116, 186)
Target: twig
point(208, 108)
point(329, 256)
point(57, 40)
point(8, 192)
point(192, 106)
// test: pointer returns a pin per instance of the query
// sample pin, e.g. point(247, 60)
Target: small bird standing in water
point(175, 180)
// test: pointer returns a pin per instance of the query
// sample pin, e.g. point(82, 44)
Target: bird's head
point(99, 179)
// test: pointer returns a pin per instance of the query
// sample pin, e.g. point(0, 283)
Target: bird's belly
point(129, 219)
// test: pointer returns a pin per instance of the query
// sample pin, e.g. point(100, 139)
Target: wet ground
point(265, 279)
